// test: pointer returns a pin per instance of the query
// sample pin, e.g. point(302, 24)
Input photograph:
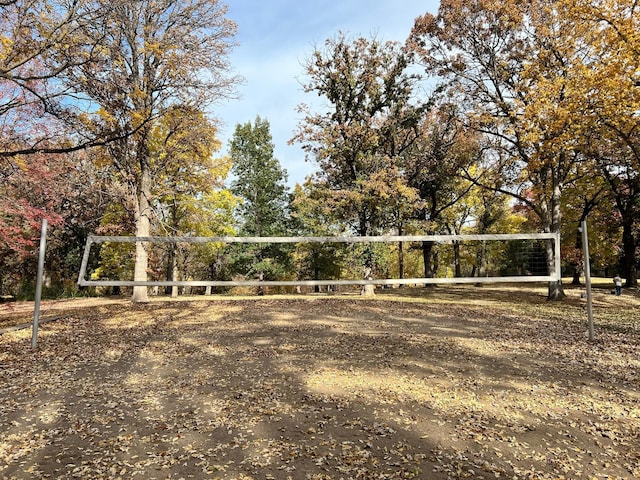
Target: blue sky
point(275, 37)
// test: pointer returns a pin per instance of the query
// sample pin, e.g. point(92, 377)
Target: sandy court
point(319, 388)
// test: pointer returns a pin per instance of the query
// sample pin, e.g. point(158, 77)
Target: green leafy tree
point(212, 216)
point(260, 184)
point(611, 101)
point(433, 167)
point(84, 196)
point(152, 55)
point(588, 198)
point(368, 87)
point(360, 138)
point(115, 260)
point(259, 181)
point(312, 216)
point(515, 67)
point(484, 211)
point(189, 180)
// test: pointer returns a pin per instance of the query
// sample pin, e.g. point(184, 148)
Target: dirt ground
point(436, 384)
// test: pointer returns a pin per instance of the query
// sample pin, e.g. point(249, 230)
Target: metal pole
point(36, 312)
point(587, 276)
point(85, 260)
point(558, 265)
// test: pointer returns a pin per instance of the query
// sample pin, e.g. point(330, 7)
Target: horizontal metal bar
point(256, 283)
point(325, 239)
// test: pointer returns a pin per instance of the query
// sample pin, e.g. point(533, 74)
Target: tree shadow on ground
point(324, 389)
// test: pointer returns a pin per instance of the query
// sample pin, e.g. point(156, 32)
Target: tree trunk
point(400, 254)
point(143, 229)
point(316, 269)
point(212, 272)
point(401, 260)
point(427, 249)
point(436, 265)
point(481, 261)
point(575, 280)
point(171, 260)
point(555, 289)
point(140, 294)
point(456, 260)
point(578, 267)
point(629, 270)
point(368, 290)
point(174, 278)
point(626, 199)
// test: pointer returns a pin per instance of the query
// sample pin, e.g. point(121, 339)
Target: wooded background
point(492, 117)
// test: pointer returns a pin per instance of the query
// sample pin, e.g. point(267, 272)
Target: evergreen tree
point(259, 180)
point(260, 183)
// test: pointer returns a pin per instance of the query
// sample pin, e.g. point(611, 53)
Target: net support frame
point(98, 239)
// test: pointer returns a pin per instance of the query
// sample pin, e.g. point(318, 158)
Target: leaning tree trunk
point(143, 229)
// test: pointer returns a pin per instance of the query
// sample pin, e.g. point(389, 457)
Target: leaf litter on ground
point(462, 383)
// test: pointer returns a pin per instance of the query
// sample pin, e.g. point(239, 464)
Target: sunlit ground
point(447, 382)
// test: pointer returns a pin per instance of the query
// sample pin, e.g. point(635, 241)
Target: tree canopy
point(155, 54)
point(509, 114)
point(260, 184)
